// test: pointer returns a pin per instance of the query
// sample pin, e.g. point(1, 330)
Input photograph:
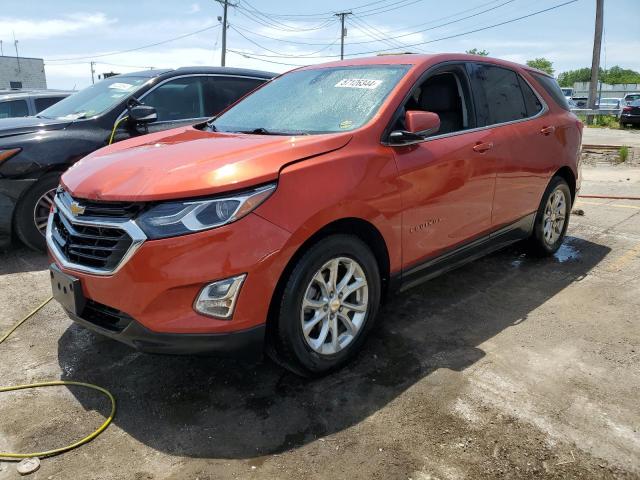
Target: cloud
point(29, 29)
point(194, 8)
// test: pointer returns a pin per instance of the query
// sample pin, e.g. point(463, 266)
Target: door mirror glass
point(422, 123)
point(143, 114)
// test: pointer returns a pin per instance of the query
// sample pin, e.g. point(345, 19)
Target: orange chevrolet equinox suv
point(281, 224)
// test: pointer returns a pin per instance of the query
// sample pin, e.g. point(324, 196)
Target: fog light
point(218, 299)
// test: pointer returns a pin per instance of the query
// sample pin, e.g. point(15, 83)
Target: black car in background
point(630, 114)
point(35, 151)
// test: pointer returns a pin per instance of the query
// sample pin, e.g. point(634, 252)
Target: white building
point(22, 72)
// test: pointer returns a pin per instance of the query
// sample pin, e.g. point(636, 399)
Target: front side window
point(96, 99)
point(179, 99)
point(497, 93)
point(322, 100)
point(14, 108)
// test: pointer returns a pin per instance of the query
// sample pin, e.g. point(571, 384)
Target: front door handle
point(548, 130)
point(482, 147)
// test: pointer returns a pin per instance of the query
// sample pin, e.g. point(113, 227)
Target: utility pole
point(225, 4)
point(343, 31)
point(595, 61)
point(93, 70)
point(15, 44)
point(1, 49)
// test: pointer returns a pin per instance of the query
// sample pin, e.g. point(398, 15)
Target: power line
point(279, 53)
point(247, 55)
point(210, 27)
point(441, 38)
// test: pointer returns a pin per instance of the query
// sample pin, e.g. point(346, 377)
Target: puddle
point(567, 252)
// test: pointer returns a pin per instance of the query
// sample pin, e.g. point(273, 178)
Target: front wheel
point(552, 218)
point(329, 304)
point(32, 212)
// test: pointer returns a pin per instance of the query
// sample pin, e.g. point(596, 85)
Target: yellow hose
point(115, 126)
point(55, 383)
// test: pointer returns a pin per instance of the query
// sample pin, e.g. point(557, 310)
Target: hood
point(187, 162)
point(21, 125)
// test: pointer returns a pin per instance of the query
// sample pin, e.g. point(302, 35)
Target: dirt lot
point(510, 367)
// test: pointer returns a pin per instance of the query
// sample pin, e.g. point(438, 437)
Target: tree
point(475, 51)
point(542, 64)
point(613, 75)
point(568, 78)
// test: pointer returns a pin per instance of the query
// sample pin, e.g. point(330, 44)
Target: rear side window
point(552, 88)
point(45, 102)
point(14, 108)
point(531, 100)
point(220, 92)
point(497, 94)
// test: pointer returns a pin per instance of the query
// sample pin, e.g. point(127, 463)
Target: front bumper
point(157, 286)
point(246, 344)
point(634, 119)
point(10, 191)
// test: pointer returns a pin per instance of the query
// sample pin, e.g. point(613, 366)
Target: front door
point(447, 180)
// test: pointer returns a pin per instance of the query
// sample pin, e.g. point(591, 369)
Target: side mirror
point(423, 123)
point(419, 125)
point(143, 114)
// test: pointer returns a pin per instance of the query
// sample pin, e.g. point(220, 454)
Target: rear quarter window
point(553, 89)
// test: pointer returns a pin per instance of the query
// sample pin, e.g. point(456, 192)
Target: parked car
point(611, 104)
point(35, 151)
point(630, 114)
point(284, 221)
point(25, 103)
point(567, 92)
point(630, 97)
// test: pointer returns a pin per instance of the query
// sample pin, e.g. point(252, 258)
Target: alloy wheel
point(41, 210)
point(334, 306)
point(555, 214)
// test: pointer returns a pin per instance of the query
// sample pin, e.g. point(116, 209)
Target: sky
point(274, 35)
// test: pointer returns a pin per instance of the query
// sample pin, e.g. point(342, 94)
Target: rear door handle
point(482, 147)
point(548, 130)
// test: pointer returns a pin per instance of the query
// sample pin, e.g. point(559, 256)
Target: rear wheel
point(552, 218)
point(329, 304)
point(33, 209)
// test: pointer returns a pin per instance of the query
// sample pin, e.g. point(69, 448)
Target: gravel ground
point(510, 367)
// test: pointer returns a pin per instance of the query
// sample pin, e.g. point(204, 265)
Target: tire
point(310, 354)
point(25, 215)
point(550, 227)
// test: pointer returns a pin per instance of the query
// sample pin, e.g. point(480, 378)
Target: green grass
point(601, 121)
point(624, 154)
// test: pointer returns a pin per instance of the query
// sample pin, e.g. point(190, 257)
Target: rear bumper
point(246, 344)
point(635, 119)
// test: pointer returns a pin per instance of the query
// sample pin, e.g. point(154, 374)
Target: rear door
point(222, 91)
point(513, 113)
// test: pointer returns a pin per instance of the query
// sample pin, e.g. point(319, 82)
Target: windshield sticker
point(121, 86)
point(358, 83)
point(345, 124)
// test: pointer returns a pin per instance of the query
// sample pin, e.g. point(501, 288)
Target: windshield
point(95, 99)
point(631, 98)
point(322, 100)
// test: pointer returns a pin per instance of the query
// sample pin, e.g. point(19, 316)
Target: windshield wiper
point(264, 131)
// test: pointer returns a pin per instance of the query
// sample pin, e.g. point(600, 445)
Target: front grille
point(103, 209)
point(86, 238)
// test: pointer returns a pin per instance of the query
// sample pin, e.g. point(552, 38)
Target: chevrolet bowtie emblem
point(76, 209)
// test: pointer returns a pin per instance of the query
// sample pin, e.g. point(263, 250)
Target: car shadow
point(212, 408)
point(19, 259)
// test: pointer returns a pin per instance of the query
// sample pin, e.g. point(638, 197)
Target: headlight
point(171, 219)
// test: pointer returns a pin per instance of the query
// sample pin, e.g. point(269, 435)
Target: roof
point(421, 59)
point(7, 94)
point(202, 70)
